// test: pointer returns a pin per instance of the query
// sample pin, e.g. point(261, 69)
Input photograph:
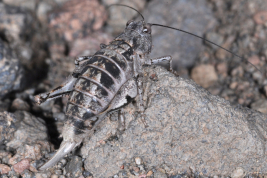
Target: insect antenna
point(209, 42)
point(128, 7)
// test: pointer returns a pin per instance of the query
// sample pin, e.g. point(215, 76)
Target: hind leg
point(59, 91)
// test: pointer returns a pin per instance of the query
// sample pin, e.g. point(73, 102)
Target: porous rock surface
point(188, 129)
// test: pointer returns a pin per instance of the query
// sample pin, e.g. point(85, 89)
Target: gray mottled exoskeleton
point(104, 82)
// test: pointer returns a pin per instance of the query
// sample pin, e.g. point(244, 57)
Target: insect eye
point(128, 23)
point(147, 30)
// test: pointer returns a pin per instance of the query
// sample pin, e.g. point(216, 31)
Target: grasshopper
point(104, 82)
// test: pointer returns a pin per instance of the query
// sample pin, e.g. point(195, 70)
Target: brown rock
point(260, 17)
point(19, 104)
point(238, 71)
point(255, 60)
point(260, 105)
point(4, 169)
point(22, 165)
point(221, 53)
point(222, 69)
point(204, 75)
point(233, 85)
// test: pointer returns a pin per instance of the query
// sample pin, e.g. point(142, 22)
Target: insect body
point(103, 82)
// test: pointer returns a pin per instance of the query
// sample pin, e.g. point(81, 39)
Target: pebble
point(75, 166)
point(138, 160)
point(54, 176)
point(136, 169)
point(149, 173)
point(260, 105)
point(255, 59)
point(222, 69)
point(43, 8)
point(204, 75)
point(238, 173)
point(159, 174)
point(22, 165)
point(260, 17)
point(238, 71)
point(233, 85)
point(4, 169)
point(58, 171)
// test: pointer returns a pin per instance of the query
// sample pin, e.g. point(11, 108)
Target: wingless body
point(104, 82)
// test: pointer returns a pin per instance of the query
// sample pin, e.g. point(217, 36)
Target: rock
point(7, 127)
point(255, 60)
point(22, 165)
point(216, 38)
point(4, 105)
point(222, 69)
point(260, 17)
point(19, 104)
point(238, 173)
point(4, 169)
point(31, 129)
point(72, 20)
point(11, 72)
point(89, 45)
point(238, 71)
point(260, 105)
point(74, 167)
point(160, 174)
point(14, 23)
point(204, 75)
point(182, 117)
point(138, 160)
point(221, 53)
point(192, 16)
point(29, 4)
point(42, 10)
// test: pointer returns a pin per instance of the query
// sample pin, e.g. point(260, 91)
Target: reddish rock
point(222, 69)
point(4, 169)
point(22, 165)
point(77, 19)
point(19, 104)
point(255, 60)
point(260, 17)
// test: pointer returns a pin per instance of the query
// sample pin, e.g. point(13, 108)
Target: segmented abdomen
point(99, 81)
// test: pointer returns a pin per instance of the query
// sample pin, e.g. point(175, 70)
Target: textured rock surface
point(29, 131)
point(188, 128)
point(11, 72)
point(7, 126)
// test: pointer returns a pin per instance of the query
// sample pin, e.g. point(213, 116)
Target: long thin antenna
point(128, 7)
point(209, 42)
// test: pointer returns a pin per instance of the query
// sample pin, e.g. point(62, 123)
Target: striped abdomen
point(98, 83)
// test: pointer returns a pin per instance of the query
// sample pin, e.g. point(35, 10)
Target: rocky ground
point(39, 40)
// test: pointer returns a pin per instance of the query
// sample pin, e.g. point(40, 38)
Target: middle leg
point(160, 60)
